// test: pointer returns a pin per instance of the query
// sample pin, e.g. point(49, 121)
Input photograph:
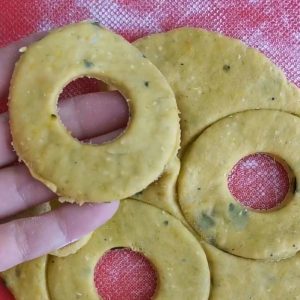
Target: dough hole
point(260, 181)
point(87, 123)
point(122, 273)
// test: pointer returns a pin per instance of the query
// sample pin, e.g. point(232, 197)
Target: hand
point(100, 115)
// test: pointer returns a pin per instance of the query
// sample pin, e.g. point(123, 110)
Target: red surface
point(259, 182)
point(272, 26)
point(125, 274)
point(4, 292)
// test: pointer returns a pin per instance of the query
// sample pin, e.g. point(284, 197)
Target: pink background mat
point(272, 26)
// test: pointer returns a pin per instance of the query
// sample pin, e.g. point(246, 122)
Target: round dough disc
point(214, 76)
point(80, 171)
point(209, 206)
point(182, 270)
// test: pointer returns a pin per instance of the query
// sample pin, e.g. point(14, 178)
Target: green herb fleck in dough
point(96, 23)
point(199, 188)
point(144, 55)
point(238, 216)
point(166, 222)
point(206, 221)
point(212, 241)
point(146, 83)
point(273, 98)
point(88, 63)
point(53, 116)
point(182, 64)
point(226, 68)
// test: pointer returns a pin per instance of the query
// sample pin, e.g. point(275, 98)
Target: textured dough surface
point(162, 193)
point(214, 76)
point(183, 274)
point(244, 279)
point(88, 172)
point(28, 280)
point(207, 203)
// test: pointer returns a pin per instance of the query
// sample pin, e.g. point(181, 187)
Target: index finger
point(25, 239)
point(8, 57)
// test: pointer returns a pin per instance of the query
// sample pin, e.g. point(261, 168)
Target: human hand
point(101, 115)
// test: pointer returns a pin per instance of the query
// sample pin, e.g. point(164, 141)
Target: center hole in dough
point(91, 113)
point(122, 273)
point(260, 181)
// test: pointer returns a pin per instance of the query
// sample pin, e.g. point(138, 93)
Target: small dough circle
point(182, 273)
point(80, 171)
point(209, 206)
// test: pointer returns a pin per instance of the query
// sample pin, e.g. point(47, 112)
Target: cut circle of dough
point(182, 273)
point(28, 280)
point(207, 203)
point(80, 171)
point(214, 76)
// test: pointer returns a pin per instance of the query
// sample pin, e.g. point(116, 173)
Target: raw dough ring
point(183, 273)
point(207, 203)
point(85, 172)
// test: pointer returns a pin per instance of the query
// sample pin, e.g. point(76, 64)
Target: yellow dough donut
point(28, 280)
point(86, 172)
point(239, 278)
point(182, 268)
point(209, 206)
point(214, 76)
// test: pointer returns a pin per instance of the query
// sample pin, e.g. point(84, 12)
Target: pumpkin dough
point(240, 279)
point(28, 280)
point(214, 76)
point(88, 172)
point(162, 193)
point(142, 228)
point(207, 203)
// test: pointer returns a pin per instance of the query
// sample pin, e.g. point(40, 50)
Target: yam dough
point(87, 172)
point(214, 76)
point(183, 274)
point(207, 203)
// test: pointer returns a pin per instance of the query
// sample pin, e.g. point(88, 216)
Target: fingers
point(8, 57)
point(19, 190)
point(84, 116)
point(94, 114)
point(26, 239)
